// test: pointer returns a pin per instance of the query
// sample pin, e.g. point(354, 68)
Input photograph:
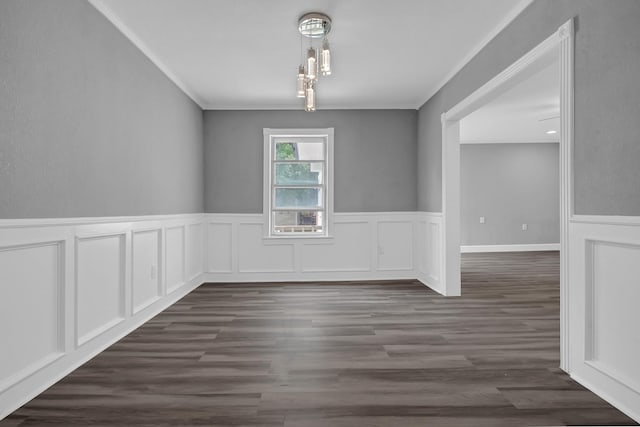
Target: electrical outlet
point(154, 272)
point(525, 227)
point(481, 220)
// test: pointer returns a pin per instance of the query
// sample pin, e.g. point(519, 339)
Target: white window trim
point(269, 135)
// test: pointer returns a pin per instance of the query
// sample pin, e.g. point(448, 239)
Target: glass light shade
point(312, 64)
point(300, 83)
point(310, 97)
point(325, 56)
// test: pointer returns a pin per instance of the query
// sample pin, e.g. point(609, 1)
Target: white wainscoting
point(72, 287)
point(69, 288)
point(604, 293)
point(363, 246)
point(430, 246)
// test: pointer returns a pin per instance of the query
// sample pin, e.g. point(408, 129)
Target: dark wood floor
point(340, 354)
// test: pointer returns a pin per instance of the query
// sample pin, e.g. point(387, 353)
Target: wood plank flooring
point(340, 354)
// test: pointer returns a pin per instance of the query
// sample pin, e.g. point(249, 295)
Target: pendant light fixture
point(310, 96)
point(301, 83)
point(312, 64)
point(326, 58)
point(313, 26)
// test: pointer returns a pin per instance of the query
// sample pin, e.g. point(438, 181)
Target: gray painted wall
point(510, 185)
point(374, 165)
point(88, 125)
point(607, 100)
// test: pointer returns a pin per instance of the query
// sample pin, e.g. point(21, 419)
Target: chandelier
point(317, 59)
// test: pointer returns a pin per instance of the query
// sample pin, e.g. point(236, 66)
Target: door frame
point(559, 45)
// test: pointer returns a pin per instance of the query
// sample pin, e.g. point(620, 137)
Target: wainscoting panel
point(256, 257)
point(613, 293)
point(70, 287)
point(604, 291)
point(380, 245)
point(195, 245)
point(348, 251)
point(146, 281)
point(394, 254)
point(99, 284)
point(30, 321)
point(430, 249)
point(219, 248)
point(434, 262)
point(174, 258)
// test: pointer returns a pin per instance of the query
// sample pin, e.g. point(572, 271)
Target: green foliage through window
point(296, 174)
point(286, 151)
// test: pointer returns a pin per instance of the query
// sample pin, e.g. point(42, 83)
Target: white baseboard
point(333, 276)
point(604, 394)
point(431, 284)
point(510, 248)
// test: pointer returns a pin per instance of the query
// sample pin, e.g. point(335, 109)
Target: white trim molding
point(366, 246)
point(604, 267)
point(129, 33)
point(363, 246)
point(513, 14)
point(465, 249)
point(558, 46)
point(80, 277)
point(430, 245)
point(271, 137)
point(599, 255)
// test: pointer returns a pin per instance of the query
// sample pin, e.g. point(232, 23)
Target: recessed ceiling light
point(551, 132)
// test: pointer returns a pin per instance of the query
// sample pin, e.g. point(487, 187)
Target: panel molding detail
point(356, 250)
point(430, 250)
point(71, 285)
point(175, 257)
point(41, 266)
point(146, 275)
point(604, 269)
point(100, 282)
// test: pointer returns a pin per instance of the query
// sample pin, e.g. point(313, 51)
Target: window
point(298, 182)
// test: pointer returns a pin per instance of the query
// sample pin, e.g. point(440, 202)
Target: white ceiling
point(522, 114)
point(243, 54)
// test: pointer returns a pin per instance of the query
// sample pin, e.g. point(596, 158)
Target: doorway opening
point(557, 48)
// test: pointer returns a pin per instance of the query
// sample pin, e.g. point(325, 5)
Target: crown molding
point(112, 17)
point(513, 14)
point(137, 41)
point(328, 107)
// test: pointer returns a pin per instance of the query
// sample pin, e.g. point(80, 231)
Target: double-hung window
point(298, 182)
